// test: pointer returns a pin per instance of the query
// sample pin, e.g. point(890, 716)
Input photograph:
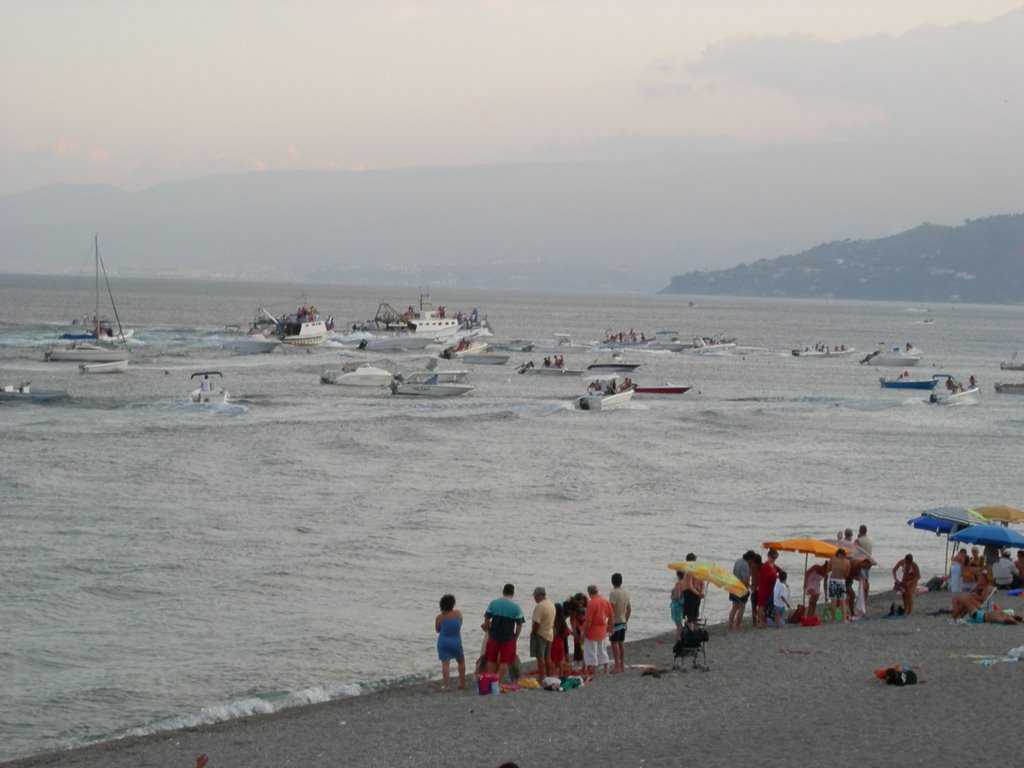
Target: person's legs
point(446, 683)
point(461, 662)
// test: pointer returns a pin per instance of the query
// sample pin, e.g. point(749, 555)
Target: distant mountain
point(979, 262)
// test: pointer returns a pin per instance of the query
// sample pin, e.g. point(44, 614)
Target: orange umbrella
point(1002, 513)
point(814, 547)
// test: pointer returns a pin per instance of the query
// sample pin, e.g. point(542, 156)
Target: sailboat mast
point(96, 317)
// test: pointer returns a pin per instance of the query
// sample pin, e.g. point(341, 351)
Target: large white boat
point(429, 384)
point(86, 351)
point(210, 390)
point(86, 330)
point(895, 356)
point(1010, 387)
point(605, 393)
point(358, 375)
point(423, 321)
point(1013, 364)
point(304, 328)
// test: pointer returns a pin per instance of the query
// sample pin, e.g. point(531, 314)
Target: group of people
point(587, 623)
point(554, 361)
point(843, 576)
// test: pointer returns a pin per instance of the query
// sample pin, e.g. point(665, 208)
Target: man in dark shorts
point(741, 570)
point(503, 621)
point(619, 598)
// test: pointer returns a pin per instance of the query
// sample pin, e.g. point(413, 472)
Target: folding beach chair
point(691, 646)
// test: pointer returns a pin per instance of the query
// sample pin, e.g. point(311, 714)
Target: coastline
point(799, 694)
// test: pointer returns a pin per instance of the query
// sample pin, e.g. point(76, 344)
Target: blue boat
point(901, 383)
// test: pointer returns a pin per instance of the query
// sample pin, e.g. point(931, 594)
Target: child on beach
point(448, 625)
point(780, 601)
point(560, 645)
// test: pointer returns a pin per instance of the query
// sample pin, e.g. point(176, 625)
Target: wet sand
point(792, 696)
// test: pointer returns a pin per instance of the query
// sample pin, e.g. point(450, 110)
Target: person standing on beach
point(448, 625)
point(864, 541)
point(503, 621)
point(597, 625)
point(741, 570)
point(906, 581)
point(542, 632)
point(756, 564)
point(838, 573)
point(766, 589)
point(621, 610)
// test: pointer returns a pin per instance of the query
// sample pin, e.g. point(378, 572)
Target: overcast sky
point(134, 93)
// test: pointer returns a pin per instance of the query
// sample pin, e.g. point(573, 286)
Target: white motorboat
point(23, 393)
point(895, 356)
point(605, 393)
point(261, 338)
point(463, 348)
point(708, 345)
point(358, 375)
point(824, 350)
point(86, 352)
point(1010, 388)
point(429, 384)
point(400, 342)
point(485, 358)
point(616, 364)
point(117, 366)
point(560, 343)
point(952, 391)
point(210, 390)
point(88, 349)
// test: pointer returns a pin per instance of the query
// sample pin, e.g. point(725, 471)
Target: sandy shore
point(775, 697)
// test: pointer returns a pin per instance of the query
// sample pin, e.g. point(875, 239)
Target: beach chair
point(691, 646)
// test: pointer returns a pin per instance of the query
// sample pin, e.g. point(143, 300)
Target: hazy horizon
point(810, 121)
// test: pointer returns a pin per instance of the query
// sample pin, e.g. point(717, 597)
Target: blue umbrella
point(933, 524)
point(990, 536)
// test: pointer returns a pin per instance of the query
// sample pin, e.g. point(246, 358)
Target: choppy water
point(163, 564)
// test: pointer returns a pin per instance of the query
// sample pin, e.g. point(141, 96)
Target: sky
point(134, 93)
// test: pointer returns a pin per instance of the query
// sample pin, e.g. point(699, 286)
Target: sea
point(165, 564)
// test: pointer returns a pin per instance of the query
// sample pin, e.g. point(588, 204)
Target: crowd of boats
point(101, 346)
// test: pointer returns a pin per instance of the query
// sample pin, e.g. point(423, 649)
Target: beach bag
point(797, 615)
point(486, 683)
point(900, 677)
point(810, 621)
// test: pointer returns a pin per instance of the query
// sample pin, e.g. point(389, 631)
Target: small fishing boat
point(823, 350)
point(612, 367)
point(1010, 388)
point(547, 370)
point(955, 392)
point(23, 393)
point(116, 366)
point(463, 348)
point(485, 358)
point(1013, 364)
point(661, 389)
point(429, 384)
point(358, 375)
point(605, 393)
point(209, 390)
point(907, 383)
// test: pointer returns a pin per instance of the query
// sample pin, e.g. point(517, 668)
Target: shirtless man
point(838, 573)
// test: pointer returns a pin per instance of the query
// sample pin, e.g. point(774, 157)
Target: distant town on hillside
point(981, 261)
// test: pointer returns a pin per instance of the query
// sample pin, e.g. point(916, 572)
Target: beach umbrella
point(990, 536)
point(1002, 513)
point(940, 526)
point(961, 516)
point(713, 573)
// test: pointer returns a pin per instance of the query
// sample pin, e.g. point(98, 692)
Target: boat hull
point(254, 346)
point(667, 389)
point(86, 353)
point(431, 390)
point(1010, 388)
point(118, 366)
point(604, 402)
point(907, 383)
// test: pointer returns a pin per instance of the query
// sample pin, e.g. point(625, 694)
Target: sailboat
point(91, 351)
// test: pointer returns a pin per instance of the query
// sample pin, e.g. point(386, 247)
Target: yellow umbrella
point(1002, 513)
point(712, 573)
point(814, 547)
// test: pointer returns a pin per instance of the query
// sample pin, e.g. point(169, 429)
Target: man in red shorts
point(503, 621)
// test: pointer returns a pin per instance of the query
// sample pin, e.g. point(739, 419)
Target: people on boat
point(206, 385)
point(972, 382)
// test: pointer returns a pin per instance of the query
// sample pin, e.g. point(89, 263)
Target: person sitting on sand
point(906, 582)
point(969, 603)
point(1000, 617)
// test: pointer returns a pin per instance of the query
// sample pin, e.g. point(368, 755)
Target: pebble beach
point(775, 697)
